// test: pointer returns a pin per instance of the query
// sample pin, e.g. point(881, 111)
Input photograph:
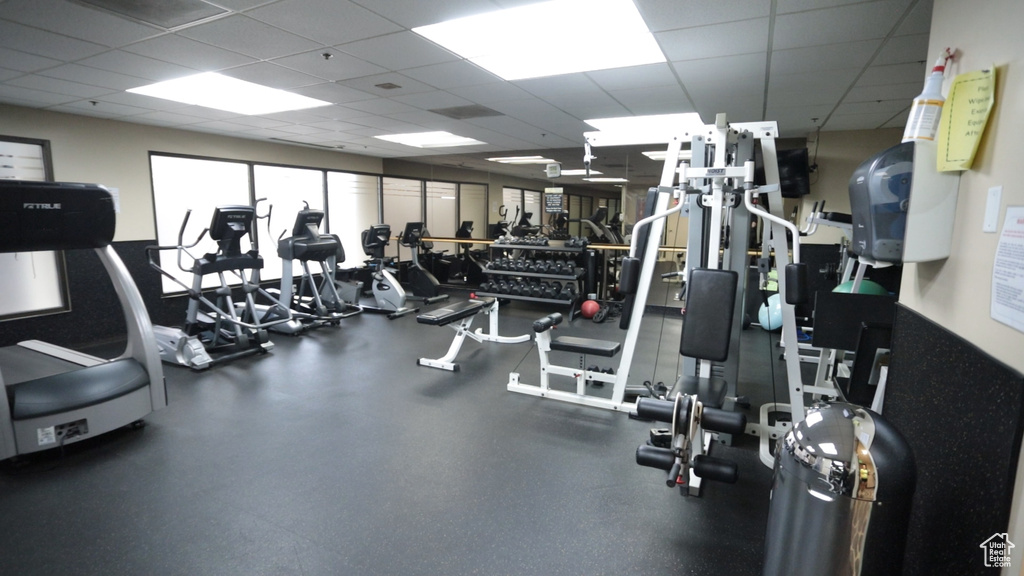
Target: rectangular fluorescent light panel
point(550, 38)
point(631, 130)
point(605, 179)
point(430, 139)
point(523, 160)
point(212, 90)
point(578, 172)
point(659, 155)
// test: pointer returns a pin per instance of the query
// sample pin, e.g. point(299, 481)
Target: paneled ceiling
point(808, 64)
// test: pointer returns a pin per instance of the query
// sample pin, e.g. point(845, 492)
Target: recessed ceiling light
point(212, 90)
point(605, 179)
point(590, 35)
point(631, 130)
point(578, 172)
point(659, 155)
point(523, 160)
point(430, 139)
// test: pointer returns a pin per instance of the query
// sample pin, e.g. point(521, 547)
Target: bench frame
point(463, 330)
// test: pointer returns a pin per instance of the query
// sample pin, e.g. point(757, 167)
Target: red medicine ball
point(589, 308)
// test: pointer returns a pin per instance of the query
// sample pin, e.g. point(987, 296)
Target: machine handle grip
point(711, 468)
point(655, 457)
point(661, 410)
point(717, 420)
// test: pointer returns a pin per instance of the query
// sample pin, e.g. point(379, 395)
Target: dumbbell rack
point(556, 250)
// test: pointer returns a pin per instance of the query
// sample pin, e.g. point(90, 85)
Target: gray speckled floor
point(336, 454)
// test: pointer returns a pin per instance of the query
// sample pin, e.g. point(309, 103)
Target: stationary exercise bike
point(387, 291)
point(422, 283)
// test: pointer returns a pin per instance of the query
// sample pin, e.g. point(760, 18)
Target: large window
point(473, 207)
point(403, 202)
point(351, 208)
point(442, 204)
point(181, 185)
point(532, 205)
point(284, 191)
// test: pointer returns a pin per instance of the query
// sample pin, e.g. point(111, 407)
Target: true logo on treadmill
point(41, 206)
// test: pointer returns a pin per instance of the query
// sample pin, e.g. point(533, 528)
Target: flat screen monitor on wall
point(794, 171)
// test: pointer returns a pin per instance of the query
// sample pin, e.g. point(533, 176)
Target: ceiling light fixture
point(578, 172)
point(430, 139)
point(591, 35)
point(605, 180)
point(659, 155)
point(635, 130)
point(212, 90)
point(522, 160)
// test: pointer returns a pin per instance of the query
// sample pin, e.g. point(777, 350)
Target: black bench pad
point(454, 312)
point(586, 346)
point(710, 391)
point(77, 389)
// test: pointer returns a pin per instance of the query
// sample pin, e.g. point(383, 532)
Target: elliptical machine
point(218, 327)
point(465, 266)
point(423, 284)
point(314, 303)
point(387, 291)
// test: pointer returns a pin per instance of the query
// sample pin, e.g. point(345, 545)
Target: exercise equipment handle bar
point(748, 201)
point(644, 221)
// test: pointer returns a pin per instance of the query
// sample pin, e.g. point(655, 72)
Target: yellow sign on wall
point(964, 117)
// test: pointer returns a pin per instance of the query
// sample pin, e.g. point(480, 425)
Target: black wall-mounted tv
point(794, 171)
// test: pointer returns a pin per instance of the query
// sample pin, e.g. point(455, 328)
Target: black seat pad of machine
point(77, 389)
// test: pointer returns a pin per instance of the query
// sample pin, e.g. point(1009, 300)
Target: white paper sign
point(1008, 271)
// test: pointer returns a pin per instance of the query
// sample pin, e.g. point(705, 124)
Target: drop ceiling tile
point(887, 107)
point(272, 75)
point(661, 15)
point(99, 110)
point(58, 86)
point(94, 77)
point(23, 62)
point(251, 37)
point(827, 57)
point(835, 82)
point(381, 106)
point(300, 129)
point(633, 76)
point(6, 74)
point(907, 91)
point(77, 21)
point(257, 122)
point(451, 74)
point(10, 94)
point(339, 66)
point(372, 84)
point(221, 126)
point(435, 100)
point(325, 21)
point(745, 37)
point(187, 52)
point(736, 107)
point(787, 6)
point(919, 21)
point(851, 23)
point(904, 49)
point(135, 65)
point(858, 121)
point(139, 101)
point(893, 74)
point(653, 100)
point(491, 94)
point(711, 76)
point(164, 118)
point(413, 14)
point(398, 51)
point(43, 43)
point(333, 92)
point(335, 126)
point(898, 121)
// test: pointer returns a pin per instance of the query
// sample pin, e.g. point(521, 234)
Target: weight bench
point(575, 345)
point(464, 313)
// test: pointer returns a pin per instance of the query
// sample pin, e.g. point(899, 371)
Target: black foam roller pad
point(38, 216)
point(723, 421)
point(711, 468)
point(796, 283)
point(654, 457)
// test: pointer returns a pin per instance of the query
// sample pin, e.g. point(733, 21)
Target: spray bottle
point(927, 108)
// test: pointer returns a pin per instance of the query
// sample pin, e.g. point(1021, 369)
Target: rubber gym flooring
point(337, 454)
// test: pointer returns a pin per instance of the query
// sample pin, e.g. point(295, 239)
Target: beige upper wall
point(956, 292)
point(116, 154)
point(837, 155)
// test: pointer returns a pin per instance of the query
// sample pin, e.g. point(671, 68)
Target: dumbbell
point(536, 290)
point(516, 289)
point(503, 287)
point(551, 289)
point(569, 268)
point(568, 292)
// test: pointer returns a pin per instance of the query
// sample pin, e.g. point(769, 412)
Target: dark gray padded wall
point(962, 413)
